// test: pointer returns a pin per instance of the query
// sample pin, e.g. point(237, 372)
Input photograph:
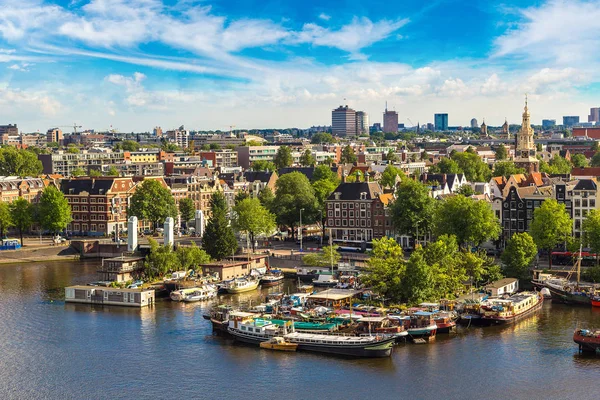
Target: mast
point(331, 252)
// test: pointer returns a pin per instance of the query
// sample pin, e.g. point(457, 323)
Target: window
point(329, 222)
point(577, 203)
point(585, 203)
point(337, 213)
point(351, 214)
point(592, 203)
point(344, 205)
point(75, 208)
point(330, 213)
point(351, 205)
point(577, 212)
point(344, 222)
point(521, 225)
point(351, 222)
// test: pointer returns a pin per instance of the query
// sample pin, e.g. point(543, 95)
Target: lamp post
point(302, 209)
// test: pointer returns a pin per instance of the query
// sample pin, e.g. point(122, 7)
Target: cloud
point(24, 67)
point(324, 17)
point(14, 101)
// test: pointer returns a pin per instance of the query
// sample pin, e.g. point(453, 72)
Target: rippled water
point(49, 349)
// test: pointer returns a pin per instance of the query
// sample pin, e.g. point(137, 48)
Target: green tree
point(53, 211)
point(595, 145)
point(471, 221)
point(579, 161)
point(266, 197)
point(160, 260)
point(219, 240)
point(283, 158)
point(501, 153)
point(112, 171)
point(385, 269)
point(52, 145)
point(253, 219)
point(293, 193)
point(324, 172)
point(591, 232)
point(127, 145)
point(474, 168)
point(78, 172)
point(348, 156)
point(205, 147)
point(445, 166)
point(170, 147)
point(263, 165)
point(190, 257)
point(187, 209)
point(14, 162)
point(507, 168)
point(551, 225)
point(72, 149)
point(419, 283)
point(389, 176)
point(412, 209)
point(21, 212)
point(240, 196)
point(215, 146)
point(6, 220)
point(307, 159)
point(557, 165)
point(424, 155)
point(595, 162)
point(391, 156)
point(321, 137)
point(465, 190)
point(448, 274)
point(94, 173)
point(518, 255)
point(152, 202)
point(325, 257)
point(253, 143)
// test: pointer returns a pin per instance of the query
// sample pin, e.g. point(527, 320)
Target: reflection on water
point(50, 349)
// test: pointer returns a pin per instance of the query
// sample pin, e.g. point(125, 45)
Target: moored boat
point(596, 301)
point(272, 278)
point(241, 285)
point(588, 340)
point(382, 326)
point(278, 343)
point(444, 322)
point(325, 279)
point(496, 311)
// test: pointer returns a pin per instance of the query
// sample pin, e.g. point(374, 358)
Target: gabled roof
point(350, 191)
point(93, 186)
point(262, 176)
point(386, 198)
point(586, 184)
point(587, 171)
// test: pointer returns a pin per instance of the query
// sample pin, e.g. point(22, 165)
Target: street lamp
point(302, 209)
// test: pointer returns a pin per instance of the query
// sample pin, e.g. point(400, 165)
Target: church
point(525, 151)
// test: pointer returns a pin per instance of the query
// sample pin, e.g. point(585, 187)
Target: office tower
point(362, 123)
point(54, 135)
point(158, 131)
point(343, 121)
point(570, 120)
point(390, 120)
point(594, 114)
point(440, 122)
point(548, 123)
point(474, 123)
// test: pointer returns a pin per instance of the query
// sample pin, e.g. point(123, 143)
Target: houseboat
point(445, 322)
point(109, 296)
point(588, 340)
point(381, 326)
point(194, 294)
point(496, 311)
point(307, 274)
point(422, 325)
point(272, 278)
point(325, 279)
point(241, 285)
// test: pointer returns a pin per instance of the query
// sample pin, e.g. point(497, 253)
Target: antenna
point(386, 106)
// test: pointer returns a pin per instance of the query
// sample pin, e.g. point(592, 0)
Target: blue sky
point(135, 64)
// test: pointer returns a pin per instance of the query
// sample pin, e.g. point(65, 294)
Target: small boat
point(203, 293)
point(444, 321)
point(306, 274)
point(419, 324)
point(596, 301)
point(278, 343)
point(272, 278)
point(241, 285)
point(305, 288)
point(588, 340)
point(381, 326)
point(325, 279)
point(179, 295)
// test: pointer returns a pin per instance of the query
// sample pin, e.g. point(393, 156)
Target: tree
point(445, 166)
point(595, 162)
point(391, 156)
point(205, 147)
point(72, 149)
point(94, 173)
point(263, 165)
point(14, 162)
point(160, 260)
point(78, 172)
point(348, 156)
point(465, 190)
point(240, 196)
point(448, 274)
point(219, 240)
point(419, 282)
point(307, 159)
point(591, 233)
point(507, 168)
point(214, 146)
point(253, 219)
point(326, 257)
point(52, 145)
point(6, 220)
point(595, 145)
point(294, 193)
point(323, 172)
point(152, 202)
point(412, 209)
point(321, 137)
point(112, 171)
point(53, 212)
point(127, 145)
point(253, 143)
point(21, 214)
point(557, 165)
point(266, 197)
point(579, 161)
point(190, 257)
point(518, 255)
point(501, 153)
point(471, 221)
point(551, 225)
point(386, 269)
point(390, 175)
point(472, 166)
point(283, 158)
point(424, 155)
point(170, 147)
point(187, 209)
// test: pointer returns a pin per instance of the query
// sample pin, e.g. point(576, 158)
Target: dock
point(109, 296)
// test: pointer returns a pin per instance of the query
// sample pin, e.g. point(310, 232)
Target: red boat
point(588, 340)
point(596, 301)
point(444, 323)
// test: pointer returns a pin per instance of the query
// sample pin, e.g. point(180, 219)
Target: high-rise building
point(179, 136)
point(570, 120)
point(390, 120)
point(440, 122)
point(474, 123)
point(362, 123)
point(525, 147)
point(376, 127)
point(10, 129)
point(158, 131)
point(548, 123)
point(54, 135)
point(594, 114)
point(343, 121)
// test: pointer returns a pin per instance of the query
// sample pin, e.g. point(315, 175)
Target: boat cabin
point(109, 296)
point(502, 287)
point(333, 298)
point(421, 319)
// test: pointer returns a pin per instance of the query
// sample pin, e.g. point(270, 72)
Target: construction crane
point(74, 126)
point(410, 122)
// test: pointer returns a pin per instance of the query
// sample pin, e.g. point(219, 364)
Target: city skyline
point(136, 64)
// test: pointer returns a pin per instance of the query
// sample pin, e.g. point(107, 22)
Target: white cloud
point(13, 100)
point(23, 67)
point(324, 17)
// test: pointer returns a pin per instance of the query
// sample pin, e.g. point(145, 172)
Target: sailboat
point(564, 291)
point(326, 279)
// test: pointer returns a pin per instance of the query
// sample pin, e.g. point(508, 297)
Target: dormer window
point(337, 195)
point(363, 195)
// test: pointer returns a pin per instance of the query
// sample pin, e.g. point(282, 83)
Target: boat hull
point(270, 282)
point(243, 289)
point(446, 327)
point(376, 350)
point(595, 302)
point(564, 297)
point(587, 344)
point(425, 332)
point(485, 321)
point(279, 346)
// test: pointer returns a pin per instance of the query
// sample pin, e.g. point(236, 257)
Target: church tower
point(525, 147)
point(505, 128)
point(484, 129)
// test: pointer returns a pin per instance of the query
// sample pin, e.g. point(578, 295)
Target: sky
point(132, 65)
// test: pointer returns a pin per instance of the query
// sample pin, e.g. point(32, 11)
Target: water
point(49, 349)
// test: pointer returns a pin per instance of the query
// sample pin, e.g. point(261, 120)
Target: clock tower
point(525, 148)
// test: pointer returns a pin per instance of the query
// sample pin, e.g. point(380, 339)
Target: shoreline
point(38, 254)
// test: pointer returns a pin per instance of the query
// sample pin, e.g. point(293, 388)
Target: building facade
point(54, 135)
point(343, 122)
point(362, 123)
point(440, 122)
point(570, 120)
point(390, 121)
point(594, 114)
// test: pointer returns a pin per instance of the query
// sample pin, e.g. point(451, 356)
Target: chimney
point(344, 176)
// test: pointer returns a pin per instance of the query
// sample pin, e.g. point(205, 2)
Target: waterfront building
point(390, 121)
point(13, 187)
point(235, 267)
point(343, 122)
point(584, 199)
point(362, 123)
point(525, 151)
point(440, 122)
point(121, 269)
point(594, 114)
point(570, 121)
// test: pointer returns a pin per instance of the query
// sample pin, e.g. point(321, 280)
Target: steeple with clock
point(525, 147)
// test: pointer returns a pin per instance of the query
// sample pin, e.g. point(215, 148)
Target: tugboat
point(588, 340)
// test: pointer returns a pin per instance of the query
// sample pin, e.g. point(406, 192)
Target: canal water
point(49, 349)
